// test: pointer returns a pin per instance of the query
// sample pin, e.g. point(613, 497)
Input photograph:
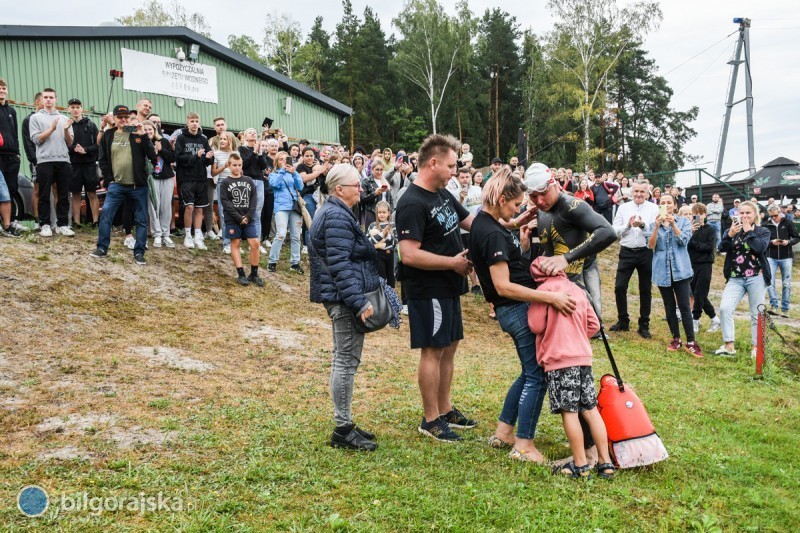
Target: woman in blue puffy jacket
point(343, 269)
point(286, 184)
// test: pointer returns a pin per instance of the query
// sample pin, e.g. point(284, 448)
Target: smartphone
point(737, 220)
point(696, 219)
point(406, 159)
point(129, 129)
point(663, 210)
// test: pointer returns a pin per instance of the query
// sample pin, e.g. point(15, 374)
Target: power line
point(700, 53)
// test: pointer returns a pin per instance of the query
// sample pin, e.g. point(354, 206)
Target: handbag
point(381, 312)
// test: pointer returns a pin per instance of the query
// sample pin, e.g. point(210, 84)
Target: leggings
point(678, 290)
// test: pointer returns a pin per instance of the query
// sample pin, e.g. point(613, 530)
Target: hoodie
point(190, 167)
point(84, 132)
point(562, 341)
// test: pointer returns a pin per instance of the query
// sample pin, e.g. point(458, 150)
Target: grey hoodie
point(54, 149)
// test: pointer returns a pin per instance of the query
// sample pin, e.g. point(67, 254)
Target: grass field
point(122, 381)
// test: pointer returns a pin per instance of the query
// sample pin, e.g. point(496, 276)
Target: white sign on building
point(166, 75)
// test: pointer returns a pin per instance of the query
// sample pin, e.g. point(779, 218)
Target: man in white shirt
point(631, 220)
point(460, 189)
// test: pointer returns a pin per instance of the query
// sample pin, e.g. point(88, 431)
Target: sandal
point(601, 470)
point(497, 442)
point(525, 457)
point(570, 470)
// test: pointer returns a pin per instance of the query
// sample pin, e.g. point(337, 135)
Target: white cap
point(538, 177)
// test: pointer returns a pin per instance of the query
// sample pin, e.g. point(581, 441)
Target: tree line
point(585, 94)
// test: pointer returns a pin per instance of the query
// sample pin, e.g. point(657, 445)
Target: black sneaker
point(352, 440)
point(620, 326)
point(272, 267)
point(11, 231)
point(139, 258)
point(255, 280)
point(99, 252)
point(366, 434)
point(456, 419)
point(177, 232)
point(644, 333)
point(242, 280)
point(297, 269)
point(439, 430)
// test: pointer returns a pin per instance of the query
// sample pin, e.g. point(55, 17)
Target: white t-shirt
point(221, 158)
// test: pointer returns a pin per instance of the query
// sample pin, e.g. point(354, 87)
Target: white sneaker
point(262, 249)
point(211, 235)
point(168, 242)
point(130, 242)
point(267, 243)
point(405, 310)
point(157, 242)
point(696, 324)
point(15, 224)
point(722, 350)
point(36, 226)
point(199, 244)
point(65, 231)
point(715, 325)
point(753, 352)
point(226, 249)
point(188, 242)
point(46, 231)
point(304, 250)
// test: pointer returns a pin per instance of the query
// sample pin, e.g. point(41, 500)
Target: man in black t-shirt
point(434, 266)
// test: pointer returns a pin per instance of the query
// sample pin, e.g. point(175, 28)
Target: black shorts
point(84, 176)
point(435, 322)
point(571, 389)
point(194, 193)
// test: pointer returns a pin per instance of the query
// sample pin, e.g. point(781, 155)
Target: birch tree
point(430, 47)
point(588, 38)
point(282, 39)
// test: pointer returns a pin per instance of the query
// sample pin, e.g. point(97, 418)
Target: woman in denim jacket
point(672, 271)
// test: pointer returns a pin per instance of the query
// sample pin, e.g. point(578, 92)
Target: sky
point(690, 49)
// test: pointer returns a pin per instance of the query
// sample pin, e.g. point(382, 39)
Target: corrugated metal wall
point(80, 69)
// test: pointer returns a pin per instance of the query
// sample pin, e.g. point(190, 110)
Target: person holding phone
point(123, 162)
point(374, 189)
point(702, 252)
point(783, 236)
point(672, 271)
point(286, 184)
point(746, 270)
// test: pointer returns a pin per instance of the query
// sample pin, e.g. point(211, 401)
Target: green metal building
point(76, 61)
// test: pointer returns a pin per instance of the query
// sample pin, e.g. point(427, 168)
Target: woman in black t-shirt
point(502, 263)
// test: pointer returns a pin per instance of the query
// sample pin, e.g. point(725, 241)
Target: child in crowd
point(702, 252)
point(564, 352)
point(226, 144)
point(238, 200)
point(381, 235)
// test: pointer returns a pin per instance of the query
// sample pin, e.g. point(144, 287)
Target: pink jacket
point(562, 340)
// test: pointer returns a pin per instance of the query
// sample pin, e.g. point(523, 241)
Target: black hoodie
point(190, 167)
point(84, 132)
point(9, 129)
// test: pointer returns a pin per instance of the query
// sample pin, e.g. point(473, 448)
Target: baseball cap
point(538, 177)
point(74, 101)
point(497, 160)
point(737, 201)
point(121, 110)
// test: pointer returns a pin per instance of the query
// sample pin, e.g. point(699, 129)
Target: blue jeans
point(785, 266)
point(717, 225)
point(525, 397)
point(294, 222)
point(311, 206)
point(115, 197)
point(259, 205)
point(755, 287)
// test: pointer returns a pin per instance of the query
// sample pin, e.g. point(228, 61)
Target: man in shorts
point(83, 157)
point(434, 267)
point(193, 154)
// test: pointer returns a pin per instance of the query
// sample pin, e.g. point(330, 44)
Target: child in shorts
point(564, 352)
point(238, 200)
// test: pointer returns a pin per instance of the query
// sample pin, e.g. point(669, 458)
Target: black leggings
point(680, 291)
point(386, 266)
point(700, 285)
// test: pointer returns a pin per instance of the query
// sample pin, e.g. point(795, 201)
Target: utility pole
point(743, 43)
